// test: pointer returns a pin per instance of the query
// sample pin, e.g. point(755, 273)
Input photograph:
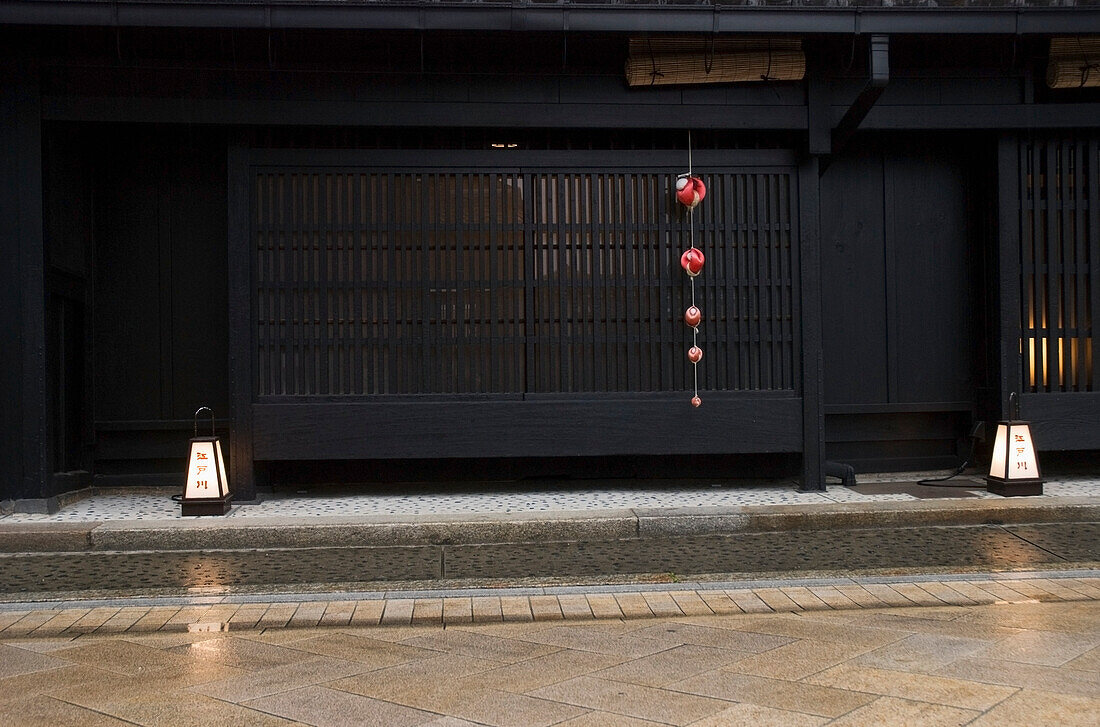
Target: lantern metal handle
point(1014, 406)
point(200, 410)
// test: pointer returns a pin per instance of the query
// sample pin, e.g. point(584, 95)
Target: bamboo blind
point(373, 282)
point(662, 60)
point(1074, 62)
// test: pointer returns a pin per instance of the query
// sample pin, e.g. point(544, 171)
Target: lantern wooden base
point(206, 506)
point(1014, 488)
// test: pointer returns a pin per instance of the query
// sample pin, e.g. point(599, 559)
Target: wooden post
point(813, 390)
point(1009, 197)
point(24, 440)
point(242, 481)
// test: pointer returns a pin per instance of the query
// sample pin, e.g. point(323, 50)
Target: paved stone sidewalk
point(1010, 663)
point(519, 498)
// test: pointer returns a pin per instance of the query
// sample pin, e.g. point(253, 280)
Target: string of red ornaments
point(690, 191)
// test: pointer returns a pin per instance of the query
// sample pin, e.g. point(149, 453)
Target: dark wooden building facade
point(380, 236)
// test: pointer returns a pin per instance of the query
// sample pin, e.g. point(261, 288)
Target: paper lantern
point(206, 491)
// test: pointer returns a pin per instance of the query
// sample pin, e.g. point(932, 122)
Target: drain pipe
point(845, 472)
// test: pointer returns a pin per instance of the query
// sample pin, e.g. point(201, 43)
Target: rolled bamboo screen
point(667, 60)
point(1074, 62)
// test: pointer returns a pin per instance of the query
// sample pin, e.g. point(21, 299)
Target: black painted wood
point(1063, 421)
point(242, 368)
point(24, 420)
point(1057, 277)
point(655, 424)
point(810, 326)
point(931, 304)
point(1009, 227)
point(446, 220)
point(854, 281)
point(606, 17)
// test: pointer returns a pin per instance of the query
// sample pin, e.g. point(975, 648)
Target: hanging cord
point(654, 73)
point(1087, 65)
point(691, 238)
point(975, 435)
point(937, 482)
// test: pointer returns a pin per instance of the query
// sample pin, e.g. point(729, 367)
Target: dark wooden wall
point(161, 333)
point(67, 200)
point(901, 262)
point(24, 436)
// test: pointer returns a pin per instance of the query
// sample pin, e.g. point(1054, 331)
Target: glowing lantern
point(207, 488)
point(1013, 466)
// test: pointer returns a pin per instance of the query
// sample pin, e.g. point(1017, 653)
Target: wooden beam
point(242, 480)
point(1009, 197)
point(656, 424)
point(878, 65)
point(813, 357)
point(24, 420)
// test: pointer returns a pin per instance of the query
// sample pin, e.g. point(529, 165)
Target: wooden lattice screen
point(1060, 227)
point(372, 282)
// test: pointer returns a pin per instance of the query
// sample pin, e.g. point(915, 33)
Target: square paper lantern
point(1013, 466)
point(207, 489)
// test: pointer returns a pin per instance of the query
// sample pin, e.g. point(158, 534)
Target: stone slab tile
point(1048, 648)
point(542, 671)
point(1027, 676)
point(607, 719)
point(742, 640)
point(360, 648)
point(797, 660)
point(890, 710)
point(918, 687)
point(479, 645)
point(775, 693)
point(49, 712)
point(658, 705)
point(757, 716)
point(324, 707)
point(15, 661)
point(244, 654)
point(405, 683)
point(922, 652)
point(516, 608)
point(671, 665)
point(1034, 707)
point(277, 679)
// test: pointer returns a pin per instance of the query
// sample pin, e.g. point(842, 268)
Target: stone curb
point(593, 525)
point(61, 620)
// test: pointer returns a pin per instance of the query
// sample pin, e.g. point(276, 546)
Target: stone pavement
point(1018, 660)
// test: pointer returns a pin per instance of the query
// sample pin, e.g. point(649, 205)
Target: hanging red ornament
point(692, 316)
point(690, 191)
point(696, 402)
point(692, 261)
point(695, 354)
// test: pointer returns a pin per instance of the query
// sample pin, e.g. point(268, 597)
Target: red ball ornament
point(696, 402)
point(692, 261)
point(692, 316)
point(690, 191)
point(695, 354)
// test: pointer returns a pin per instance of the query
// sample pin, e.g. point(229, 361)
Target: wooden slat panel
point(1058, 204)
point(374, 282)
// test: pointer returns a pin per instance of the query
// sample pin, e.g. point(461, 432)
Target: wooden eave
point(812, 17)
